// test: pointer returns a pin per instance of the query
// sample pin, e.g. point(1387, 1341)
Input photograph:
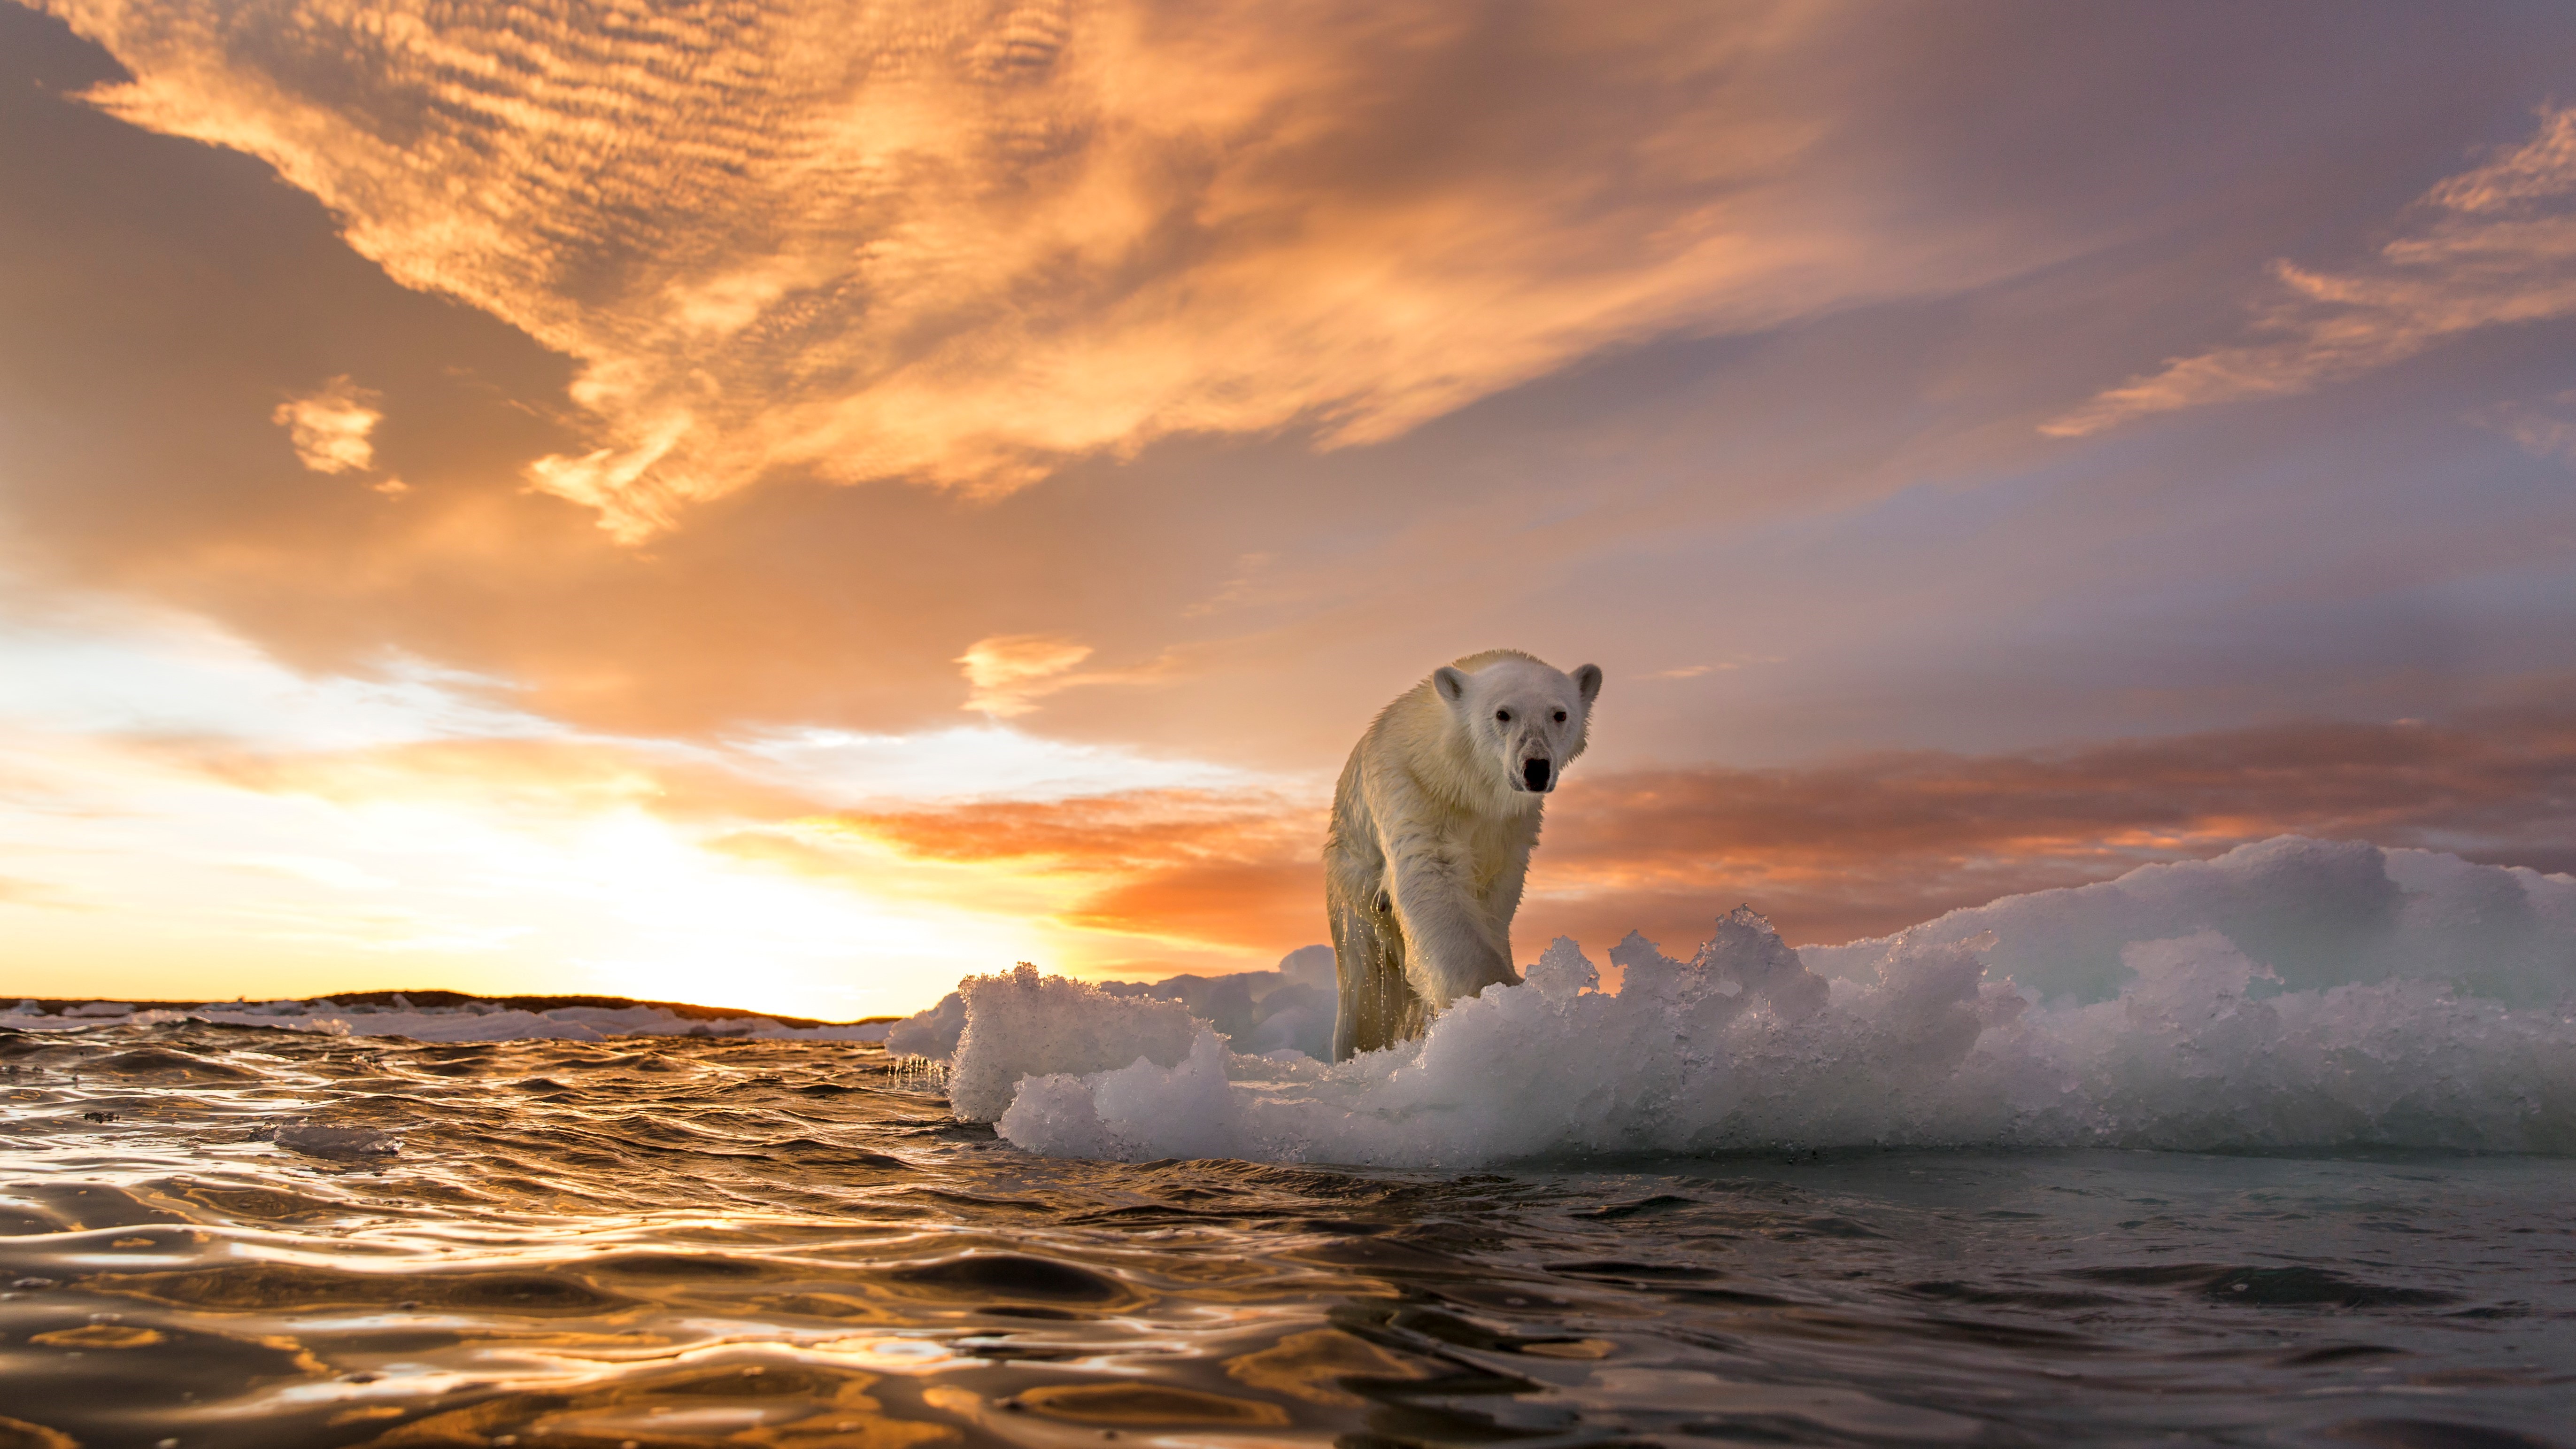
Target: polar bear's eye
point(1504, 715)
point(1560, 716)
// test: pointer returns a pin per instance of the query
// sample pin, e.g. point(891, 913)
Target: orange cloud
point(1832, 852)
point(1009, 671)
point(2492, 246)
point(1866, 846)
point(1231, 871)
point(940, 242)
point(1193, 878)
point(329, 426)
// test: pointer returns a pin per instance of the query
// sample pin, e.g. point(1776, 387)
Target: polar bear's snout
point(1537, 774)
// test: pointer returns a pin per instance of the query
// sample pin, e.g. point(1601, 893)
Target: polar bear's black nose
point(1535, 772)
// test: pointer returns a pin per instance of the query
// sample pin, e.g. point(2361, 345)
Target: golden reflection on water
point(754, 1404)
point(789, 1244)
point(584, 1245)
point(1313, 1365)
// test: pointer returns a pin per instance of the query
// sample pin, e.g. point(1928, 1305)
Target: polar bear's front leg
point(1451, 948)
point(1378, 1007)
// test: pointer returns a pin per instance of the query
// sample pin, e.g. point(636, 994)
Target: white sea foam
point(2296, 993)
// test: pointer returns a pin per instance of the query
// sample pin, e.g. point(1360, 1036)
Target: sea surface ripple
point(238, 1236)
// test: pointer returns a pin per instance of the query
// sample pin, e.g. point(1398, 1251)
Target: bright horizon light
point(194, 820)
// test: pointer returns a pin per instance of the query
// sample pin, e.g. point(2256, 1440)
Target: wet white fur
point(1431, 836)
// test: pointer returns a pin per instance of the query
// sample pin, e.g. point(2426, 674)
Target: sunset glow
point(791, 506)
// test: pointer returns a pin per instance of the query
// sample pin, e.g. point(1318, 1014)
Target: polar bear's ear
point(1450, 682)
point(1587, 682)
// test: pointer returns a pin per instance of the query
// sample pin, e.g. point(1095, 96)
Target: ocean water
point(288, 1239)
point(2275, 1149)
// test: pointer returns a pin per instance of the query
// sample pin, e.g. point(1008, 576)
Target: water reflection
point(786, 1244)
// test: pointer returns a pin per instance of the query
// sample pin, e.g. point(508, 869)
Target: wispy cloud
point(1007, 674)
point(332, 427)
point(2546, 430)
point(2492, 246)
point(959, 244)
point(1244, 587)
point(1714, 666)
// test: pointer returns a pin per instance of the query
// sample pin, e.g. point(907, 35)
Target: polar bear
point(1432, 827)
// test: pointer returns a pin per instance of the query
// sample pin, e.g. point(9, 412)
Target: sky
point(785, 506)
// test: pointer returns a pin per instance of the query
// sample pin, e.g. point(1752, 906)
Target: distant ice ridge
point(472, 1021)
point(2315, 913)
point(2291, 994)
point(1289, 1009)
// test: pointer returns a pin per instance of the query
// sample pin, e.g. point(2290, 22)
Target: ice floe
point(2291, 994)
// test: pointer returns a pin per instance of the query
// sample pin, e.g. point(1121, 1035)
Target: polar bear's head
point(1522, 717)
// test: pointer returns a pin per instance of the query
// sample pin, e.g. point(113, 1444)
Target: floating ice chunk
point(1746, 957)
point(2205, 1044)
point(1645, 970)
point(932, 1033)
point(1139, 1110)
point(1024, 1024)
point(1562, 971)
point(1295, 1019)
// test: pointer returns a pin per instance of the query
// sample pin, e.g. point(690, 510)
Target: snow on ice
point(2291, 994)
